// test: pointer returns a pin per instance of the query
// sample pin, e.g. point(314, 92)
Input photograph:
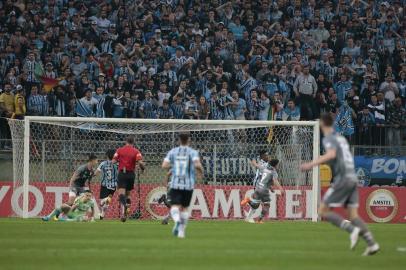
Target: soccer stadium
point(203, 134)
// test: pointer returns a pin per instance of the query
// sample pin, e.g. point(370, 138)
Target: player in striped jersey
point(108, 184)
point(265, 177)
point(183, 163)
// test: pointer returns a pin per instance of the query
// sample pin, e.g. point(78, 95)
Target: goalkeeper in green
point(79, 211)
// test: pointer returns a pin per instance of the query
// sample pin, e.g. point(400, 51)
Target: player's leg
point(105, 200)
point(335, 198)
point(184, 214)
point(265, 198)
point(364, 232)
point(254, 203)
point(73, 193)
point(175, 209)
point(64, 208)
point(165, 199)
point(334, 218)
point(124, 186)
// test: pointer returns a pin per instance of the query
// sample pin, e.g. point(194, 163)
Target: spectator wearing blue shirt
point(291, 112)
point(239, 106)
point(342, 87)
point(148, 107)
point(236, 28)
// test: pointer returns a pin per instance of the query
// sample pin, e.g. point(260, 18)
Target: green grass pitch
point(33, 244)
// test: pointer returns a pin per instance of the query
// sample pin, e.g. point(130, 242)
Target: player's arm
point(329, 155)
point(73, 178)
point(98, 170)
point(74, 206)
point(92, 213)
point(256, 165)
point(278, 185)
point(167, 176)
point(198, 168)
point(141, 163)
point(166, 164)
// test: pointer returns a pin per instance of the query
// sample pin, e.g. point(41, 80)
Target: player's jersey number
point(345, 148)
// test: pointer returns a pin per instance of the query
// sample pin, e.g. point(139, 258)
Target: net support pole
point(315, 173)
point(26, 169)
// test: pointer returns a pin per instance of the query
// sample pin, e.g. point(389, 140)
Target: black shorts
point(126, 180)
point(180, 197)
point(105, 192)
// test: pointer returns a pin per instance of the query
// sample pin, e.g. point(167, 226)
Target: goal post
point(48, 149)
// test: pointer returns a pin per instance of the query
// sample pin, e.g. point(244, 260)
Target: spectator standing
point(396, 122)
point(305, 88)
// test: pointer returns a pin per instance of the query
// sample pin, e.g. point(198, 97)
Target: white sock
point(251, 213)
point(184, 217)
point(175, 213)
point(103, 201)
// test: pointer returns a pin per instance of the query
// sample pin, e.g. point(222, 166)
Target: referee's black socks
point(122, 198)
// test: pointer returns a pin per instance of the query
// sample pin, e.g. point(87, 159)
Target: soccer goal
point(47, 150)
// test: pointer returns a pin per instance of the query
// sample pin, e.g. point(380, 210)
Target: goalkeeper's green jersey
point(81, 207)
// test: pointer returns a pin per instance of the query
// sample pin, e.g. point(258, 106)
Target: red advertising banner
point(208, 202)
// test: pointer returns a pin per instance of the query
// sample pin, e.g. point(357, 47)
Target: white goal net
point(47, 150)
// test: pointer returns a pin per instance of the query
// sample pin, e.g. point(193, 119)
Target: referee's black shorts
point(180, 197)
point(126, 180)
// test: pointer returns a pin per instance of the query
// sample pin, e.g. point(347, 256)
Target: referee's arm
point(141, 163)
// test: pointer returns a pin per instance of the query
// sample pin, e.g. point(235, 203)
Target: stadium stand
point(200, 59)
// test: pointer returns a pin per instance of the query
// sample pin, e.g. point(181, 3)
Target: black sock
point(365, 233)
point(122, 199)
point(338, 221)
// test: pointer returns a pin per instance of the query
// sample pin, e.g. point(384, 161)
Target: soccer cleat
point(45, 218)
point(371, 250)
point(55, 218)
point(259, 221)
point(250, 220)
point(101, 217)
point(175, 230)
point(61, 218)
point(181, 234)
point(245, 201)
point(354, 236)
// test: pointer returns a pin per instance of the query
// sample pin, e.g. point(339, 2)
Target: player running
point(183, 162)
point(78, 211)
point(83, 174)
point(108, 184)
point(343, 190)
point(265, 177)
point(127, 157)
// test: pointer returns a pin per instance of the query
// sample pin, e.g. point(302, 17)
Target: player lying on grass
point(80, 177)
point(343, 190)
point(78, 211)
point(183, 162)
point(108, 183)
point(265, 177)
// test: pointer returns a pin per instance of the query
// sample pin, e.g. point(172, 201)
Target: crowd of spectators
point(208, 59)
